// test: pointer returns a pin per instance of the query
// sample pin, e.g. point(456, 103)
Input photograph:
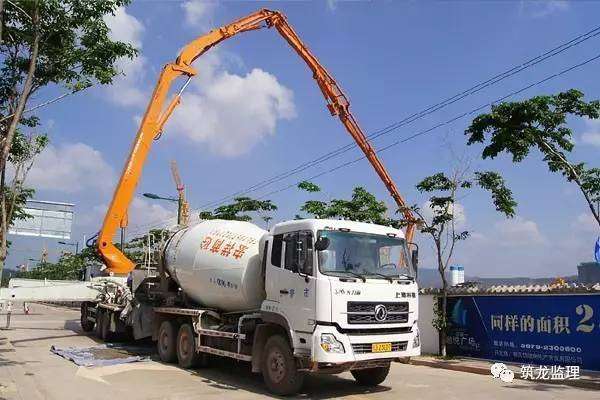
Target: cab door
point(296, 281)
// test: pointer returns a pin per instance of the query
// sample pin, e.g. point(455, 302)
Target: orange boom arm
point(156, 116)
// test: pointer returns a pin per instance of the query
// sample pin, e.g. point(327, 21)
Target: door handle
point(284, 291)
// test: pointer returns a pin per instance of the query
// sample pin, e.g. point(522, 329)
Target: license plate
point(381, 347)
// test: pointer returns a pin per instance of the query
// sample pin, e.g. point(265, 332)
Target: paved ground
point(28, 371)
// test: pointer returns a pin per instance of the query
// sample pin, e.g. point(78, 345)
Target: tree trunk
point(1, 19)
point(577, 180)
point(443, 331)
point(12, 129)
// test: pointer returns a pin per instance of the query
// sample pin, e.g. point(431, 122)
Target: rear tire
point(279, 369)
point(99, 319)
point(187, 356)
point(86, 324)
point(371, 376)
point(106, 334)
point(167, 342)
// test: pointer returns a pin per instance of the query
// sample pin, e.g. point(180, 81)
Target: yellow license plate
point(381, 347)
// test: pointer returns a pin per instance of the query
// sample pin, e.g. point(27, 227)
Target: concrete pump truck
point(307, 296)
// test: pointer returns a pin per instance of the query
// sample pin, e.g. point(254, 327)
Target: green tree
point(362, 206)
point(49, 43)
point(69, 266)
point(540, 123)
point(440, 222)
point(240, 208)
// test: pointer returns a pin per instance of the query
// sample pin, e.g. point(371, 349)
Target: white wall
point(429, 335)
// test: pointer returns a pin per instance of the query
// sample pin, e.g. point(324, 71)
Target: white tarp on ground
point(103, 355)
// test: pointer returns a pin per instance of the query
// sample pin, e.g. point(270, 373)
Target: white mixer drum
point(218, 264)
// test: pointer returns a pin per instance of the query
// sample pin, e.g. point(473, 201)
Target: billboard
point(48, 219)
point(527, 329)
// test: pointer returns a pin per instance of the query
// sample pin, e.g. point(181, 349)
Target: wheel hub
point(276, 366)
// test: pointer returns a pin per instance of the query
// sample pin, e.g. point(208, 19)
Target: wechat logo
point(499, 370)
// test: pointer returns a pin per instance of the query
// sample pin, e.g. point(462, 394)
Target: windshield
point(369, 255)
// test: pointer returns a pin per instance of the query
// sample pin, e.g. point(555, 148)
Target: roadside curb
point(455, 365)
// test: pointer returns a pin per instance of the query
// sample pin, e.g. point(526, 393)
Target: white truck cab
point(346, 291)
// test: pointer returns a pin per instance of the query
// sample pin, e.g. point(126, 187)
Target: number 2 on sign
point(588, 313)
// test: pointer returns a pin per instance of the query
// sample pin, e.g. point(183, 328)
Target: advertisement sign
point(531, 329)
point(46, 219)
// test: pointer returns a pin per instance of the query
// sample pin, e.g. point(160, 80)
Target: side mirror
point(415, 258)
point(322, 243)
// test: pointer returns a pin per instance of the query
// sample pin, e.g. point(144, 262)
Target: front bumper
point(357, 348)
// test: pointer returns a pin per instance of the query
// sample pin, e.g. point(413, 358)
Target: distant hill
point(429, 278)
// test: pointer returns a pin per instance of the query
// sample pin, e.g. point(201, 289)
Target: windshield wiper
point(389, 278)
point(356, 275)
point(406, 276)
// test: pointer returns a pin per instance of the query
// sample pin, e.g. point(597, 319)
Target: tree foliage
point(240, 208)
point(48, 43)
point(69, 266)
point(363, 206)
point(516, 128)
point(440, 222)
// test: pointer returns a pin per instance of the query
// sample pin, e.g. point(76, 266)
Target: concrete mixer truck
point(312, 295)
point(308, 296)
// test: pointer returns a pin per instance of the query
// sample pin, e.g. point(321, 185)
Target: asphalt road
point(28, 371)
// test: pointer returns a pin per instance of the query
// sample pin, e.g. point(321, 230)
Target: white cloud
point(124, 27)
point(198, 13)
point(71, 168)
point(142, 215)
point(585, 223)
point(542, 8)
point(126, 88)
point(143, 212)
point(232, 113)
point(331, 4)
point(460, 219)
point(592, 134)
point(517, 232)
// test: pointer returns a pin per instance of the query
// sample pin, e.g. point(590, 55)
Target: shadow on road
point(231, 375)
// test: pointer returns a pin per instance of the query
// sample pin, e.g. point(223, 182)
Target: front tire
point(167, 342)
point(371, 376)
point(279, 369)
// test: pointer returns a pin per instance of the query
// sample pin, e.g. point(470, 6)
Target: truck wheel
point(106, 334)
point(99, 320)
point(167, 342)
point(371, 376)
point(86, 324)
point(187, 356)
point(279, 367)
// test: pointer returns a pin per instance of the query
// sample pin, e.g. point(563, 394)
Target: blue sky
point(254, 112)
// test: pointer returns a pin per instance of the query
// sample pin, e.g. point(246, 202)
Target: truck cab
point(345, 291)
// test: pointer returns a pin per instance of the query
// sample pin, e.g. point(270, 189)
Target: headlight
point(417, 339)
point(330, 344)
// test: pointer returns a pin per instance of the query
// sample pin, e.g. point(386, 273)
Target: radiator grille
point(365, 312)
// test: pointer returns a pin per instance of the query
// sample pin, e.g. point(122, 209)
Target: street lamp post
point(76, 244)
point(177, 200)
